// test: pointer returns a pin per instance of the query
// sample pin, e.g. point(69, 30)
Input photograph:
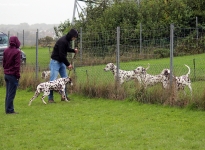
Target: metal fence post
point(23, 38)
point(37, 54)
point(140, 38)
point(118, 53)
point(194, 62)
point(171, 52)
point(8, 36)
point(197, 31)
point(81, 45)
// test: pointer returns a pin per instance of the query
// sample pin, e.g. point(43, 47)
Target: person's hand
point(76, 50)
point(70, 67)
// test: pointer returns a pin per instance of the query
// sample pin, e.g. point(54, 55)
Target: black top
point(62, 46)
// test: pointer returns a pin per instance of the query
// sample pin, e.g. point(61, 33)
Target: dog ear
point(43, 74)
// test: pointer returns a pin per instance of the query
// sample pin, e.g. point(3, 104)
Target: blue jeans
point(55, 68)
point(11, 87)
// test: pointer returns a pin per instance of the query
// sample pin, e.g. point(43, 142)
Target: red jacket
point(12, 58)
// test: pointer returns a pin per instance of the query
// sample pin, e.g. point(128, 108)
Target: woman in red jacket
point(11, 65)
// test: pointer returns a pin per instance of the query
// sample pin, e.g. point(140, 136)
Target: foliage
point(198, 8)
point(162, 53)
point(160, 14)
point(46, 41)
point(153, 17)
point(62, 28)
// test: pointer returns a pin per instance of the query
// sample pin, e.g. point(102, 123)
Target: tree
point(46, 41)
point(62, 28)
point(198, 8)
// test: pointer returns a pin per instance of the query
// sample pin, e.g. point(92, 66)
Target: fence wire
point(136, 48)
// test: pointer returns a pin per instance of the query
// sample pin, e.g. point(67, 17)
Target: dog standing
point(57, 85)
point(180, 82)
point(45, 75)
point(123, 74)
point(148, 79)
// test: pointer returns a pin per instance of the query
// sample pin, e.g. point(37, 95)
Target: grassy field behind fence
point(98, 124)
point(96, 75)
point(196, 63)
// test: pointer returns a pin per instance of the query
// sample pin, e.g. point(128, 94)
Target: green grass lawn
point(98, 124)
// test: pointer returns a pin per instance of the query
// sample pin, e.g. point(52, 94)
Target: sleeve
point(63, 53)
point(17, 64)
point(70, 50)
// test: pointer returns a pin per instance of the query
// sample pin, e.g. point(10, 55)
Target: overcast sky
point(36, 11)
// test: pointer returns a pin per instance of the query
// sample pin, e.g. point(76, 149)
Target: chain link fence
point(136, 48)
point(130, 48)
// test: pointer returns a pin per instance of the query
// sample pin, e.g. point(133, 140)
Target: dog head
point(68, 80)
point(165, 72)
point(109, 66)
point(45, 74)
point(141, 70)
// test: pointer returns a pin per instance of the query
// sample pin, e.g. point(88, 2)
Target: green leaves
point(107, 15)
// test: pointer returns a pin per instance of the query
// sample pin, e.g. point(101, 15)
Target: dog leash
point(72, 62)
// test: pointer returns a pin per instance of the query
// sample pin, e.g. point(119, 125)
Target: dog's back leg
point(46, 93)
point(35, 95)
point(190, 88)
point(184, 91)
point(42, 98)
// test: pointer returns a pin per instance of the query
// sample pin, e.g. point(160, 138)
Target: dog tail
point(189, 69)
point(148, 66)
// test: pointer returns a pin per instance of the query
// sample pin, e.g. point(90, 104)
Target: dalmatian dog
point(45, 75)
point(123, 74)
point(180, 82)
point(166, 78)
point(57, 85)
point(148, 79)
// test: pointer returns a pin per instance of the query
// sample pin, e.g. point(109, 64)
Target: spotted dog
point(180, 82)
point(148, 79)
point(57, 85)
point(123, 74)
point(166, 78)
point(45, 75)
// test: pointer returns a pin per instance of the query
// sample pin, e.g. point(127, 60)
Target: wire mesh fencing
point(136, 47)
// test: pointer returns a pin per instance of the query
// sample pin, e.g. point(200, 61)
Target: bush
point(162, 53)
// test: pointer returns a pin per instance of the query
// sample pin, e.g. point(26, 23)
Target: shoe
point(51, 101)
point(63, 99)
point(12, 113)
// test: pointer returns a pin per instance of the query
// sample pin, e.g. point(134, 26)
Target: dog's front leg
point(190, 88)
point(64, 95)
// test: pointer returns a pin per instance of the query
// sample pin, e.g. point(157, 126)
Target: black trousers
point(11, 86)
